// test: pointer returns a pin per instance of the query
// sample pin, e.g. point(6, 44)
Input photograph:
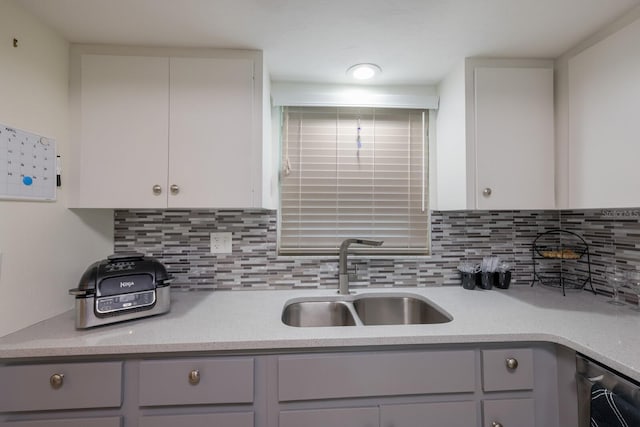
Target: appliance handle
point(124, 256)
point(79, 292)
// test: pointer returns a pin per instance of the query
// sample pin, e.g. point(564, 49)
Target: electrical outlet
point(221, 243)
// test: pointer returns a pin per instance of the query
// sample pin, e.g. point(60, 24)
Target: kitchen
point(69, 240)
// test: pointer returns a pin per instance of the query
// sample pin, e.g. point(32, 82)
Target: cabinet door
point(343, 417)
point(124, 105)
point(449, 414)
point(603, 123)
point(212, 156)
point(509, 412)
point(514, 135)
point(238, 419)
point(74, 422)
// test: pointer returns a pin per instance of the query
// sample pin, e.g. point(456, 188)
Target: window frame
point(380, 252)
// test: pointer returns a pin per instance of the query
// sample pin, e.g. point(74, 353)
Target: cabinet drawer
point(509, 412)
point(306, 377)
point(498, 376)
point(82, 385)
point(238, 419)
point(342, 417)
point(169, 382)
point(450, 414)
point(75, 422)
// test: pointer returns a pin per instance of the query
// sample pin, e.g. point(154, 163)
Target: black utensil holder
point(470, 280)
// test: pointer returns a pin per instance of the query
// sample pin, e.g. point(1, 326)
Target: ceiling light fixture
point(364, 71)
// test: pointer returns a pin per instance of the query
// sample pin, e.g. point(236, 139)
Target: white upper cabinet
point(157, 128)
point(211, 152)
point(604, 152)
point(514, 138)
point(123, 125)
point(495, 137)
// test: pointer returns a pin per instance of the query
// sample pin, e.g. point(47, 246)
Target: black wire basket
point(561, 259)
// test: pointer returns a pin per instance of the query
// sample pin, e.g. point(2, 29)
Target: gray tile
point(180, 239)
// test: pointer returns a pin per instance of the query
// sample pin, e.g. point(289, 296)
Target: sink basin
point(318, 313)
point(393, 310)
point(365, 309)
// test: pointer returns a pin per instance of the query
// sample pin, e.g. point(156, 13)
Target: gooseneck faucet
point(342, 265)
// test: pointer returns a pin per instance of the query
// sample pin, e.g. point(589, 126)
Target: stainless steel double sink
point(365, 309)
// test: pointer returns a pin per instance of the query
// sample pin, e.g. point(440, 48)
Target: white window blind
point(353, 173)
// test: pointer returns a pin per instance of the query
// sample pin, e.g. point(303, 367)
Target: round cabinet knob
point(194, 377)
point(174, 189)
point(495, 424)
point(56, 381)
point(157, 190)
point(487, 192)
point(511, 363)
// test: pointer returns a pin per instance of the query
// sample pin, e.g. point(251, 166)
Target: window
point(353, 173)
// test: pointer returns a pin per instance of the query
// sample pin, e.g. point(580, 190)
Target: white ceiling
point(414, 41)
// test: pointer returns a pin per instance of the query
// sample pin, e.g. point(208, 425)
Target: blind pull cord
point(358, 140)
point(286, 169)
point(424, 150)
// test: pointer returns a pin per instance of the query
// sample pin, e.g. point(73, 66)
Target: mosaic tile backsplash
point(181, 238)
point(613, 237)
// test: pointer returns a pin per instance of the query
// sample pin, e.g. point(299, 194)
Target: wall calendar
point(27, 165)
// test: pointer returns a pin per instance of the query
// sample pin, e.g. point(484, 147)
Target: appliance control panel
point(114, 303)
point(120, 266)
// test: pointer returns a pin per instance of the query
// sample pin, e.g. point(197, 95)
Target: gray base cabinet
point(332, 376)
point(467, 386)
point(454, 386)
point(509, 412)
point(507, 369)
point(338, 417)
point(196, 381)
point(182, 391)
point(450, 414)
point(75, 422)
point(204, 420)
point(60, 386)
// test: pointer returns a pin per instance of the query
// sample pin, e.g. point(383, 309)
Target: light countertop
point(240, 321)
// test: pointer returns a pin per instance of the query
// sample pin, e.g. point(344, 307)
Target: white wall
point(45, 247)
point(451, 158)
